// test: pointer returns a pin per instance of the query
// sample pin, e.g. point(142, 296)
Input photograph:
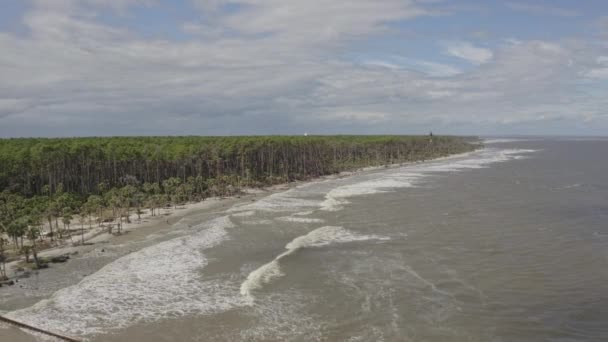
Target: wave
point(409, 176)
point(504, 140)
point(337, 198)
point(257, 222)
point(153, 283)
point(317, 238)
point(498, 141)
point(281, 201)
point(296, 219)
point(482, 159)
point(244, 213)
point(384, 181)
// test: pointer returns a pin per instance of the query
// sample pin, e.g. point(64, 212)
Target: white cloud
point(382, 64)
point(317, 21)
point(426, 67)
point(542, 10)
point(437, 69)
point(601, 73)
point(10, 106)
point(603, 60)
point(468, 52)
point(273, 67)
point(71, 5)
point(354, 115)
point(598, 71)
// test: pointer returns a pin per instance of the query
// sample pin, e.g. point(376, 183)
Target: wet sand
point(12, 334)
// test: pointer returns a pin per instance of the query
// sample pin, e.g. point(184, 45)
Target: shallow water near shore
point(508, 243)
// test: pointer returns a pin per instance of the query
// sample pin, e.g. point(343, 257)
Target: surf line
point(42, 331)
point(268, 272)
point(317, 238)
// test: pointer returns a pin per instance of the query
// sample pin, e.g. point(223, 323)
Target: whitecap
point(410, 175)
point(336, 198)
point(244, 213)
point(281, 201)
point(502, 140)
point(257, 222)
point(300, 219)
point(317, 238)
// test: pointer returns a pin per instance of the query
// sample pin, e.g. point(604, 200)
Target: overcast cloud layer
point(215, 67)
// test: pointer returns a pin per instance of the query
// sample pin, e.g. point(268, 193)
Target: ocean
point(507, 243)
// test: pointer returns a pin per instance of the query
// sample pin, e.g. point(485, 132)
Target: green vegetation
point(48, 181)
point(79, 165)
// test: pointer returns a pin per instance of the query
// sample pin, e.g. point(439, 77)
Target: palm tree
point(50, 209)
point(66, 219)
point(94, 204)
point(138, 200)
point(32, 234)
point(150, 190)
point(35, 219)
point(127, 195)
point(3, 243)
point(170, 186)
point(17, 229)
point(82, 219)
point(114, 200)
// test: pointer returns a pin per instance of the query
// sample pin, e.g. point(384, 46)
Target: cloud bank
point(84, 67)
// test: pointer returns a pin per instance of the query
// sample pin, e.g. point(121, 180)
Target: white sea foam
point(317, 238)
point(156, 282)
point(244, 213)
point(378, 182)
point(425, 281)
point(337, 198)
point(409, 176)
point(164, 235)
point(503, 140)
point(296, 219)
point(281, 201)
point(257, 222)
point(303, 213)
point(480, 159)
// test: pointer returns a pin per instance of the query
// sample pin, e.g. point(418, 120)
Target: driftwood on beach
point(38, 330)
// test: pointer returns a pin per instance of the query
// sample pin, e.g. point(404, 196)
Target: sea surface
point(507, 243)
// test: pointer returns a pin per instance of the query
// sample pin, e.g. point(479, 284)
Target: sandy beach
point(98, 236)
point(137, 229)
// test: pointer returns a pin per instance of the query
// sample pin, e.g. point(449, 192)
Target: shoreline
point(169, 216)
point(99, 235)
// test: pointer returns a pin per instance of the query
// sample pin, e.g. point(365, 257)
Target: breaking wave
point(410, 175)
point(160, 281)
point(297, 219)
point(317, 238)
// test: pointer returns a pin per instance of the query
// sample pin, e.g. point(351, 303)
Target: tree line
point(51, 181)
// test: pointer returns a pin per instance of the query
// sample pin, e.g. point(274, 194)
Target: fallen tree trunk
point(38, 330)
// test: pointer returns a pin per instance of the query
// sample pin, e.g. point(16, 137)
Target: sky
point(249, 67)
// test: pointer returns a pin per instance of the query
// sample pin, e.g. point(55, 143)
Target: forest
point(46, 181)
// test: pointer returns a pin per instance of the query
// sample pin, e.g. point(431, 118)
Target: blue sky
point(215, 67)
